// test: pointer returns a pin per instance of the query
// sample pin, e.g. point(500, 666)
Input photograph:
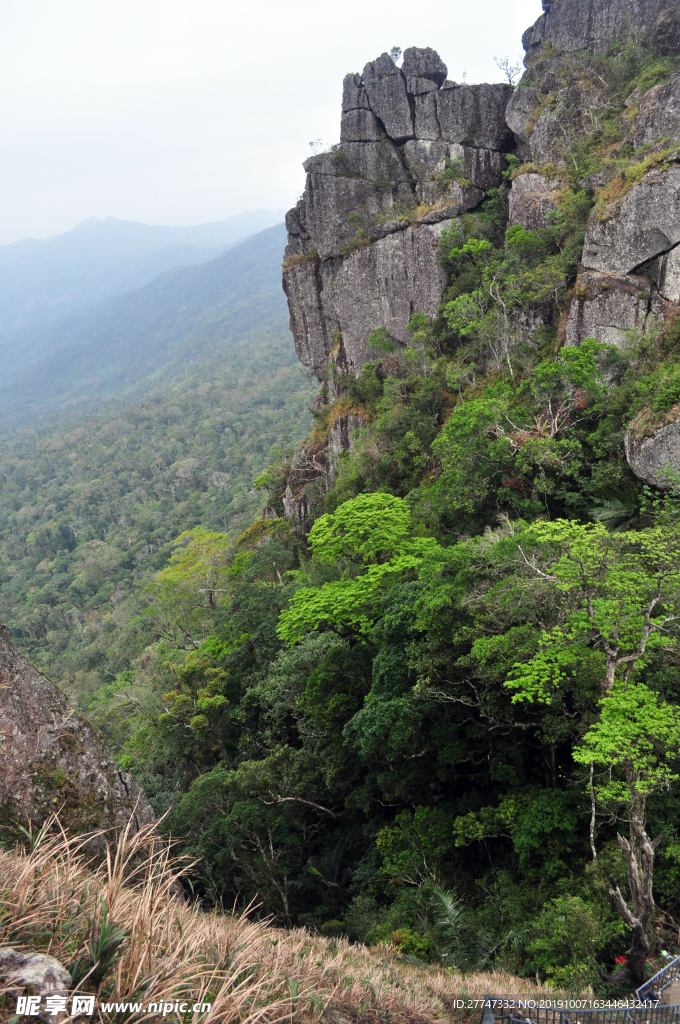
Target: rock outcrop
point(652, 447)
point(52, 760)
point(635, 229)
point(416, 151)
point(594, 25)
point(605, 306)
point(630, 267)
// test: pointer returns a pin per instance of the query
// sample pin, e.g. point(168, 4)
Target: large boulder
point(52, 760)
point(659, 117)
point(519, 113)
point(643, 224)
point(385, 87)
point(532, 199)
point(652, 446)
point(595, 25)
point(604, 306)
point(423, 62)
point(474, 115)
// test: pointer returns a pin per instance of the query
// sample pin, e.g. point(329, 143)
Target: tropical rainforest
point(453, 683)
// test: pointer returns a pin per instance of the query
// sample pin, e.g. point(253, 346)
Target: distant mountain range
point(42, 280)
point(127, 345)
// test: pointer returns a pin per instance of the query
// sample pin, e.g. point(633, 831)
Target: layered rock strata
point(53, 761)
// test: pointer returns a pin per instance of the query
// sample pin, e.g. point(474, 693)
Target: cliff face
point(418, 151)
point(415, 152)
point(51, 760)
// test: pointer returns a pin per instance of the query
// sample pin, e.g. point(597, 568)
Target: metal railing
point(510, 1011)
point(652, 989)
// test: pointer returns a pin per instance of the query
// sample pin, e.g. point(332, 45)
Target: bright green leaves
point(370, 528)
point(636, 730)
point(622, 600)
point(540, 678)
point(348, 604)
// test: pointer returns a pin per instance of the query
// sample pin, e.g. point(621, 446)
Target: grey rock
point(427, 122)
point(361, 179)
point(385, 87)
point(649, 454)
point(353, 94)
point(532, 198)
point(376, 161)
point(597, 179)
point(664, 36)
point(644, 224)
point(40, 972)
point(341, 438)
point(659, 116)
point(295, 506)
point(594, 25)
point(519, 111)
point(359, 126)
point(604, 306)
point(329, 202)
point(426, 159)
point(475, 115)
point(420, 86)
point(458, 200)
point(299, 239)
point(484, 167)
point(424, 63)
point(381, 285)
point(562, 125)
point(312, 326)
point(51, 759)
point(668, 280)
point(388, 227)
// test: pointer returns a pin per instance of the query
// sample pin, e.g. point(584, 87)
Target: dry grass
point(53, 899)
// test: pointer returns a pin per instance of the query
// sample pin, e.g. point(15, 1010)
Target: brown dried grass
point(52, 899)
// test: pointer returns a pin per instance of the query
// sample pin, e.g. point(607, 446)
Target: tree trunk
point(639, 850)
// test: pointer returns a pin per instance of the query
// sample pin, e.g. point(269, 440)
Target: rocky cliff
point(417, 152)
point(52, 760)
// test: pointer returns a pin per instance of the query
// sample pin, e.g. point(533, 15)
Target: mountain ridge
point(118, 344)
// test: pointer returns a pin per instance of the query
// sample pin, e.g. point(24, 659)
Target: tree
point(622, 600)
point(638, 734)
point(624, 592)
point(188, 592)
point(371, 534)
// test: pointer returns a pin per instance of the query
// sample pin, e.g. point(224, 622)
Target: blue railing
point(652, 989)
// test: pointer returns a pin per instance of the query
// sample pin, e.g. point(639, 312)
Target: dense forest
point(90, 507)
point(447, 690)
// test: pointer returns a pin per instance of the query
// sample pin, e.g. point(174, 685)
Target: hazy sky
point(186, 111)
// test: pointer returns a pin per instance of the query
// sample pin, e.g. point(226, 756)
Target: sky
point(190, 111)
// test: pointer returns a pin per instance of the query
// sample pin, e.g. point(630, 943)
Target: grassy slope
point(174, 951)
